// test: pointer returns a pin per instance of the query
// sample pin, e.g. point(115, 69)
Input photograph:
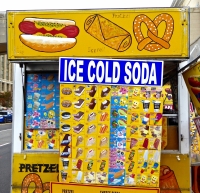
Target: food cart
point(88, 100)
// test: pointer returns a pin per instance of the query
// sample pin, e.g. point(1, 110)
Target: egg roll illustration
point(108, 32)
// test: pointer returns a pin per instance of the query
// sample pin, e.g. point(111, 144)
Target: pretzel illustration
point(39, 186)
point(153, 43)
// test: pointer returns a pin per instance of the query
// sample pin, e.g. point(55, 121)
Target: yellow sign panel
point(135, 33)
point(192, 80)
point(175, 173)
point(75, 188)
point(33, 172)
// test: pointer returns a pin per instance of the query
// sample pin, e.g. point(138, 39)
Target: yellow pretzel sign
point(153, 43)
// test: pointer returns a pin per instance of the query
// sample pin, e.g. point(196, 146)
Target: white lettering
point(107, 78)
point(136, 66)
point(127, 78)
point(79, 70)
point(100, 65)
point(65, 71)
point(71, 77)
point(91, 64)
point(116, 68)
point(152, 76)
point(145, 68)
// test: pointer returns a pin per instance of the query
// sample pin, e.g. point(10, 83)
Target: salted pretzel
point(153, 43)
point(39, 186)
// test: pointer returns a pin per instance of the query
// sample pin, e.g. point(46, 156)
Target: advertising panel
point(32, 172)
point(135, 33)
point(109, 134)
point(192, 80)
point(175, 173)
point(110, 71)
point(72, 188)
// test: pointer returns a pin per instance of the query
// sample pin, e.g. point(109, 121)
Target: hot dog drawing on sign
point(48, 35)
point(153, 42)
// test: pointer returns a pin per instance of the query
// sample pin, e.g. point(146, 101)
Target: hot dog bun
point(48, 35)
point(57, 21)
point(47, 44)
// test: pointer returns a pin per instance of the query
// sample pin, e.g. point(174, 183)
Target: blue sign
point(110, 71)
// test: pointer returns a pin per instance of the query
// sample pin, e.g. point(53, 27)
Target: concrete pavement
point(5, 157)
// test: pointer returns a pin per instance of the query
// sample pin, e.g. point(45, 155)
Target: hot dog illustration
point(194, 82)
point(48, 35)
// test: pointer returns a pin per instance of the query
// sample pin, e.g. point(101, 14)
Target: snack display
point(112, 134)
point(42, 111)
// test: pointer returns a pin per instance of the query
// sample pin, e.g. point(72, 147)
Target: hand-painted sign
point(130, 33)
point(110, 71)
point(79, 188)
point(192, 80)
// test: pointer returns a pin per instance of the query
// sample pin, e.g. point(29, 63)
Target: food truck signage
point(110, 71)
point(123, 33)
point(56, 187)
point(192, 80)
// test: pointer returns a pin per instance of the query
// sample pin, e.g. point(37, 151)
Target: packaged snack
point(145, 93)
point(65, 163)
point(89, 177)
point(102, 165)
point(101, 177)
point(79, 91)
point(132, 131)
point(41, 144)
point(78, 152)
point(157, 106)
point(65, 139)
point(91, 91)
point(52, 143)
point(65, 151)
point(155, 118)
point(65, 176)
point(103, 141)
point(116, 177)
point(90, 165)
point(134, 92)
point(157, 93)
point(104, 91)
point(91, 103)
point(77, 164)
point(102, 153)
point(91, 129)
point(130, 179)
point(29, 144)
point(123, 91)
point(90, 153)
point(90, 141)
point(77, 176)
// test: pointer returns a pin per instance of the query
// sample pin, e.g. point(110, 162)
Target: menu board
point(110, 134)
point(42, 111)
point(195, 139)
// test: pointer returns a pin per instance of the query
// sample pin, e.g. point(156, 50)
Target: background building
point(6, 72)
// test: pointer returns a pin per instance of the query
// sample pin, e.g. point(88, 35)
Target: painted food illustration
point(168, 180)
point(108, 32)
point(194, 82)
point(48, 35)
point(153, 42)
